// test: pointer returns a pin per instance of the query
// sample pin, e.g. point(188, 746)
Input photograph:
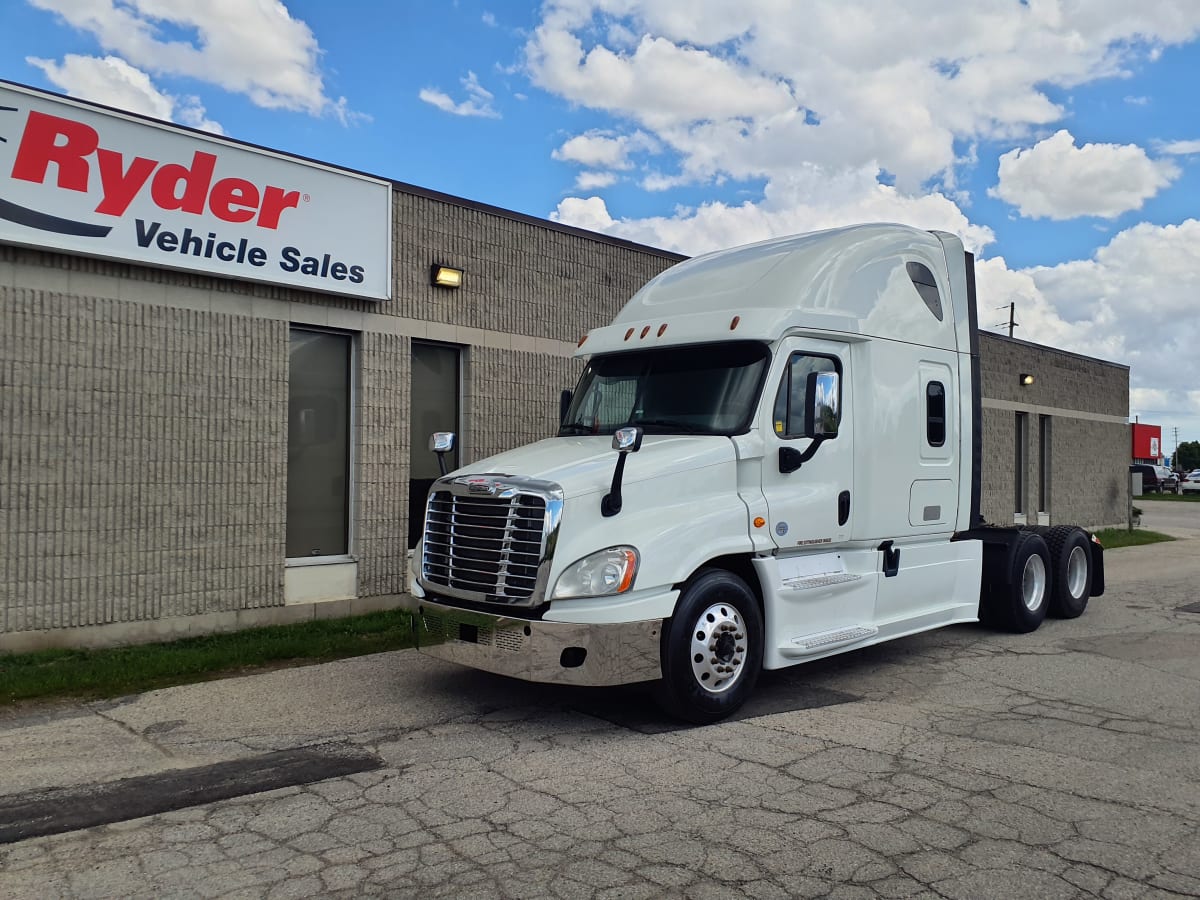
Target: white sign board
point(1154, 447)
point(86, 180)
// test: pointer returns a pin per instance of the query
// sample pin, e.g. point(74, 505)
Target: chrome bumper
point(550, 652)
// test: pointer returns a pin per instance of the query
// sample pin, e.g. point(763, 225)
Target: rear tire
point(1016, 598)
point(712, 650)
point(1071, 570)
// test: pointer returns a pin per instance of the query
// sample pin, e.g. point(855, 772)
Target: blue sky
point(1061, 139)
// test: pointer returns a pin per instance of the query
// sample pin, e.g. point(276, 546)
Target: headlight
point(605, 572)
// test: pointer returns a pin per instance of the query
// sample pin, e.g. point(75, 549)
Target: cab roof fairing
point(851, 280)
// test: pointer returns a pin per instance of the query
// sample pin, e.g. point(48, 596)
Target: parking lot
point(962, 763)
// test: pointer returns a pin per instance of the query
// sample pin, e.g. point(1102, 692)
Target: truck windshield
point(697, 389)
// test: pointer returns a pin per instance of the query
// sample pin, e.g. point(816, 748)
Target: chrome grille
point(485, 548)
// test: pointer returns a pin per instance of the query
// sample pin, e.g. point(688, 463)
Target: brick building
point(184, 451)
point(1055, 449)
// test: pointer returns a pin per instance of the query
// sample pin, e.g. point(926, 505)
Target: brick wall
point(142, 461)
point(521, 278)
point(514, 398)
point(382, 478)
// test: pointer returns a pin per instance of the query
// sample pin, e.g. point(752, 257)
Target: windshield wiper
point(575, 428)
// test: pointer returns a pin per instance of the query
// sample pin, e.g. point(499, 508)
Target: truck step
point(809, 644)
point(808, 582)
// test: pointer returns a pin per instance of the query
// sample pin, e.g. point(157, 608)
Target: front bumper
point(549, 652)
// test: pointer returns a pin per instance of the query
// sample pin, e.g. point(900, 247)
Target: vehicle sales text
point(210, 246)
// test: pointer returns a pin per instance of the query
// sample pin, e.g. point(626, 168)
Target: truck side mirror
point(564, 404)
point(441, 443)
point(822, 405)
point(822, 413)
point(625, 441)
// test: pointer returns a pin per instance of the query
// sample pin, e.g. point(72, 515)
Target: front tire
point(712, 650)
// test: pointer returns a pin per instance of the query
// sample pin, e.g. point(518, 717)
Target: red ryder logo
point(71, 146)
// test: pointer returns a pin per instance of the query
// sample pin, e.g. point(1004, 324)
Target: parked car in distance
point(1168, 481)
point(1150, 478)
point(1191, 483)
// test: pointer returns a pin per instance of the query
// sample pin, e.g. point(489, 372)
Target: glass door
point(435, 407)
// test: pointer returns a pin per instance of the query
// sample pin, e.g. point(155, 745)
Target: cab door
point(825, 589)
point(804, 506)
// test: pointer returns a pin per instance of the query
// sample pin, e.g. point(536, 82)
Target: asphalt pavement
point(963, 763)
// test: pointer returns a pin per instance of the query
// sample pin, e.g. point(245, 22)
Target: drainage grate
point(40, 813)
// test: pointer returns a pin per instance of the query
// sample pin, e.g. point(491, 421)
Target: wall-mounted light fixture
point(1026, 379)
point(446, 276)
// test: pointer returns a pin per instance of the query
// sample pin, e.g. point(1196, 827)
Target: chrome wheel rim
point(1033, 582)
point(718, 648)
point(1077, 567)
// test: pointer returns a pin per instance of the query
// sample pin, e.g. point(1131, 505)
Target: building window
point(318, 476)
point(1019, 466)
point(1043, 463)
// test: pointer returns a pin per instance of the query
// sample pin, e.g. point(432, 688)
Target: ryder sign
point(84, 180)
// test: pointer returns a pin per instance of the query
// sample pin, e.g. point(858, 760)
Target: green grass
point(1190, 497)
point(122, 670)
point(1112, 538)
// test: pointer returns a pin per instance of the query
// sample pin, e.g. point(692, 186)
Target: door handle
point(843, 508)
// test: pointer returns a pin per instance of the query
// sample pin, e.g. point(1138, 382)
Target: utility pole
point(1012, 318)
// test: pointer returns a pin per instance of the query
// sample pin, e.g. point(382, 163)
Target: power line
point(1012, 322)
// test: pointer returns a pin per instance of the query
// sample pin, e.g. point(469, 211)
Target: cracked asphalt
point(961, 764)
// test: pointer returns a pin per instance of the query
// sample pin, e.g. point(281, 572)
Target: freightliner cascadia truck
point(773, 455)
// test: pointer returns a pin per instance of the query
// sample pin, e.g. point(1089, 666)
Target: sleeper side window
point(926, 285)
point(788, 417)
point(935, 413)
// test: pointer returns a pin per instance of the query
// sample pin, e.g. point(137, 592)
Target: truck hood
point(584, 465)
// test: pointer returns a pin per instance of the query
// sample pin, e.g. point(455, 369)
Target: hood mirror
point(625, 441)
point(441, 443)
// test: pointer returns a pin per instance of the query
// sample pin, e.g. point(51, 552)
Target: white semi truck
point(797, 436)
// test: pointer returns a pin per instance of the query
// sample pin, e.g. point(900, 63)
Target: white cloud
point(478, 102)
point(1133, 302)
point(759, 88)
point(590, 213)
point(1149, 398)
point(114, 82)
point(1057, 180)
point(659, 83)
point(599, 149)
point(251, 47)
point(1180, 148)
point(489, 19)
point(594, 181)
point(806, 201)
